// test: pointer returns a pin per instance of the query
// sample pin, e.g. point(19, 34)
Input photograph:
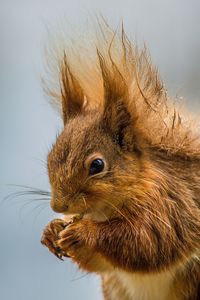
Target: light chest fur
point(142, 287)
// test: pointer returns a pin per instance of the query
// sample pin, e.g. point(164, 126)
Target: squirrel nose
point(58, 205)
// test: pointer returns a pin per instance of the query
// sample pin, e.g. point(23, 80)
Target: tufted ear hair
point(116, 116)
point(72, 96)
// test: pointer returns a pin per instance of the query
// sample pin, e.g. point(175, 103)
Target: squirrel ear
point(72, 97)
point(116, 117)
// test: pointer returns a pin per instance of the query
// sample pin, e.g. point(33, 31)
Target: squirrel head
point(89, 164)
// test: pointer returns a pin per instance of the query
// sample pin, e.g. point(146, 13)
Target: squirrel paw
point(51, 235)
point(73, 240)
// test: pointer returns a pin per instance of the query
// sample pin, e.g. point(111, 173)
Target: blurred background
point(28, 125)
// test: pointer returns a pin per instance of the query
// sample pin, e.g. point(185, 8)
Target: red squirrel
point(127, 164)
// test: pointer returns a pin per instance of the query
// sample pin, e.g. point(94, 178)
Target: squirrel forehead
point(80, 137)
point(82, 131)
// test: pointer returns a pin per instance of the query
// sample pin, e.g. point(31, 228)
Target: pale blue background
point(28, 126)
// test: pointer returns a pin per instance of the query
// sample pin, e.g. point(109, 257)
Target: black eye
point(96, 166)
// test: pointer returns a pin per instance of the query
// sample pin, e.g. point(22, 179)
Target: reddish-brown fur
point(142, 215)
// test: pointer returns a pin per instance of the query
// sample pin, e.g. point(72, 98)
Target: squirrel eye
point(96, 166)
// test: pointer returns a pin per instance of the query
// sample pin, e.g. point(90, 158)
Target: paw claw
point(50, 237)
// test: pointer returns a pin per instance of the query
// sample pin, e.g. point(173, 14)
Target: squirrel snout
point(58, 206)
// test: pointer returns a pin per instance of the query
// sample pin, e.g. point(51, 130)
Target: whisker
point(84, 201)
point(38, 206)
point(29, 202)
point(27, 187)
point(21, 198)
point(119, 211)
point(29, 191)
point(96, 175)
point(80, 277)
point(22, 193)
point(140, 206)
point(41, 205)
point(102, 213)
point(157, 217)
point(88, 206)
point(43, 162)
point(25, 204)
point(42, 208)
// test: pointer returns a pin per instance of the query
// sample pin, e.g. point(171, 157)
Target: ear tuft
point(116, 116)
point(72, 95)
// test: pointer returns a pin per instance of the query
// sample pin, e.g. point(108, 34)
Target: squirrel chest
point(140, 287)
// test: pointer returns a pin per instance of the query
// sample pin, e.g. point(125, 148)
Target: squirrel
point(127, 166)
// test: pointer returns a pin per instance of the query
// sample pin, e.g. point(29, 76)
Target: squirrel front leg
point(145, 246)
point(120, 243)
point(109, 244)
point(70, 240)
point(139, 245)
